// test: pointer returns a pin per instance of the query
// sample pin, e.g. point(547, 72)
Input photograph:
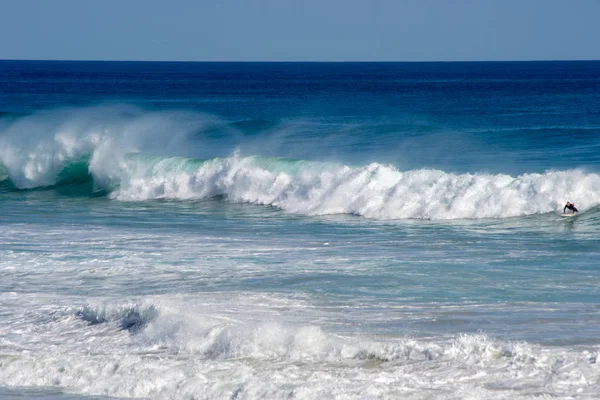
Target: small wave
point(269, 341)
point(185, 350)
point(199, 336)
point(270, 360)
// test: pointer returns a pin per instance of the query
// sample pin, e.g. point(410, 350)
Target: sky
point(300, 30)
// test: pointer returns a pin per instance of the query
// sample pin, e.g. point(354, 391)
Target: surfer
point(571, 207)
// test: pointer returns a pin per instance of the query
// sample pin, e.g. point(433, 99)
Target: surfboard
point(568, 215)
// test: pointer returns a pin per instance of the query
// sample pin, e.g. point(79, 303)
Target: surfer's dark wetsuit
point(571, 207)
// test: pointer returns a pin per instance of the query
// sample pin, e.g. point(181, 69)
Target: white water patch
point(196, 350)
point(374, 191)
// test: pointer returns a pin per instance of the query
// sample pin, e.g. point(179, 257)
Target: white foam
point(373, 191)
point(185, 352)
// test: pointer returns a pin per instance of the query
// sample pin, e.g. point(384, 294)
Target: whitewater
point(290, 230)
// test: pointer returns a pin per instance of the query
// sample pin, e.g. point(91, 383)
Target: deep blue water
point(261, 230)
point(454, 116)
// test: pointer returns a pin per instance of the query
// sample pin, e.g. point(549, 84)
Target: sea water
point(299, 230)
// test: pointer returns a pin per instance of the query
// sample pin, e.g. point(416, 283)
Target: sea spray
point(34, 149)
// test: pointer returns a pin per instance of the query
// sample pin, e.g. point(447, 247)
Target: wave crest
point(374, 191)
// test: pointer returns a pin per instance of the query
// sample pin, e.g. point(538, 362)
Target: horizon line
point(298, 61)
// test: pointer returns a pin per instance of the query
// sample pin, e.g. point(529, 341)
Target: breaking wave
point(132, 159)
point(373, 191)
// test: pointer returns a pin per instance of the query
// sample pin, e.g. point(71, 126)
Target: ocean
point(299, 230)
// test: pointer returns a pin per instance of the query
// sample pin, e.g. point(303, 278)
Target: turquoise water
point(299, 230)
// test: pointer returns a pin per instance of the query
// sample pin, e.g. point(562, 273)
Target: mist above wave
point(35, 149)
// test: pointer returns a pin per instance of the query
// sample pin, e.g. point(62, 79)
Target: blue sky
point(300, 30)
